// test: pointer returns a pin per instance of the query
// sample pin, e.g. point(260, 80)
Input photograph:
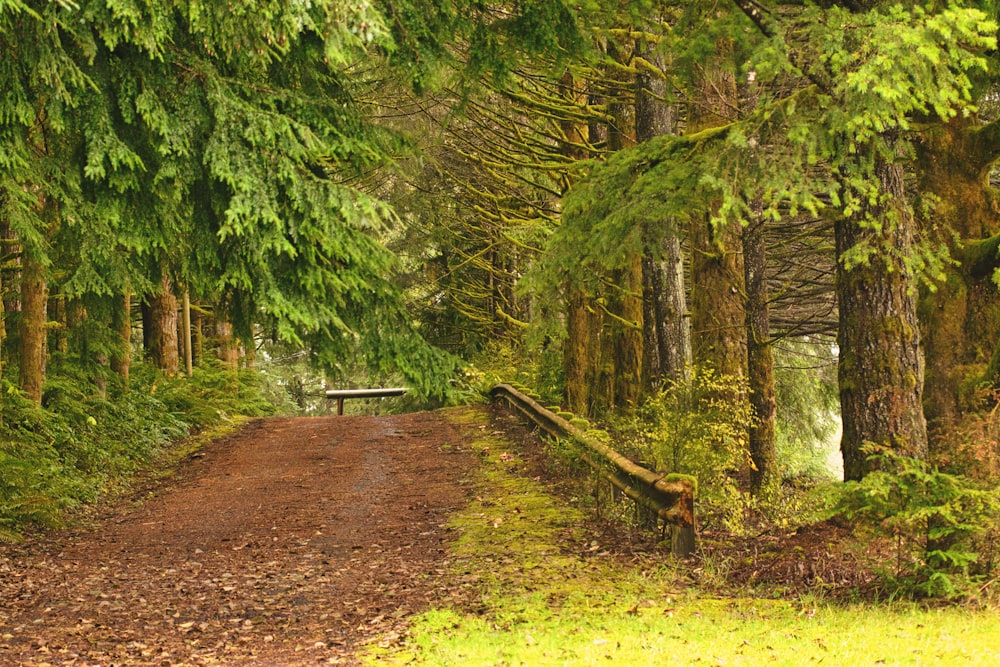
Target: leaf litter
point(294, 541)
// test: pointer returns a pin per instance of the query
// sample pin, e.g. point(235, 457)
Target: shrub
point(698, 427)
point(933, 517)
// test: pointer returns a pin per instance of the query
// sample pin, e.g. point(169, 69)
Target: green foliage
point(698, 427)
point(933, 518)
point(806, 386)
point(502, 361)
point(835, 92)
point(212, 395)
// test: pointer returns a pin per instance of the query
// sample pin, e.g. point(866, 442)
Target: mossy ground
point(545, 593)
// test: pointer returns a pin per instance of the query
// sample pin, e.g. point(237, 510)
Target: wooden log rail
point(669, 499)
point(340, 395)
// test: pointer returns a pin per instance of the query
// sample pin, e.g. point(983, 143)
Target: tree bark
point(667, 336)
point(226, 348)
point(718, 330)
point(161, 337)
point(881, 366)
point(764, 476)
point(627, 334)
point(186, 335)
point(32, 329)
point(578, 348)
point(620, 374)
point(960, 319)
point(577, 352)
point(121, 356)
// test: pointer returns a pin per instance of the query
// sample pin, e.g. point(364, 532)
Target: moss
point(580, 423)
point(566, 415)
point(465, 415)
point(678, 477)
point(598, 434)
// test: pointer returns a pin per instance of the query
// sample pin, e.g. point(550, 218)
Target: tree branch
point(981, 258)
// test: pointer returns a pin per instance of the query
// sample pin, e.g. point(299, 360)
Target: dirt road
point(288, 543)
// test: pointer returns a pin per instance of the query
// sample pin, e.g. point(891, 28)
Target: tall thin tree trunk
point(32, 331)
point(576, 351)
point(881, 368)
point(186, 335)
point(760, 363)
point(718, 330)
point(121, 357)
point(620, 371)
point(670, 305)
point(667, 335)
point(582, 320)
point(627, 332)
point(198, 336)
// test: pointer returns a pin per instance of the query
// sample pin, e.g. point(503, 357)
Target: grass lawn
point(543, 593)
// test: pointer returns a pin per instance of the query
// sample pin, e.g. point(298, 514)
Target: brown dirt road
point(292, 542)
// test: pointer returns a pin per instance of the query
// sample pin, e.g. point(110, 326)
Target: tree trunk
point(881, 367)
point(760, 363)
point(186, 335)
point(620, 373)
point(666, 334)
point(627, 334)
point(718, 329)
point(673, 327)
point(121, 321)
point(226, 347)
point(198, 336)
point(161, 337)
point(577, 351)
point(32, 331)
point(960, 319)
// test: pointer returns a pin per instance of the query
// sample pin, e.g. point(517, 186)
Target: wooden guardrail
point(340, 395)
point(670, 499)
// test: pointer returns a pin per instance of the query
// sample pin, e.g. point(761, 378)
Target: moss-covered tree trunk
point(620, 373)
point(627, 335)
point(227, 348)
point(718, 330)
point(575, 353)
point(579, 352)
point(881, 365)
point(32, 327)
point(960, 319)
point(160, 328)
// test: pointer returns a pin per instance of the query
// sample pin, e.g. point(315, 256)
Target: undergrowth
point(539, 589)
point(82, 443)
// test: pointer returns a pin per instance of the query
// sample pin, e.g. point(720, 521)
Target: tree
point(209, 147)
point(871, 104)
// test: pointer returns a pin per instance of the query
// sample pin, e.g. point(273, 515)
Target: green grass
point(546, 595)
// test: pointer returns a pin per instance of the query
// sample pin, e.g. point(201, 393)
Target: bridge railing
point(340, 395)
point(670, 498)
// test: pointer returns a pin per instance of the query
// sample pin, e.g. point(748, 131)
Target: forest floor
point(293, 541)
point(434, 538)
